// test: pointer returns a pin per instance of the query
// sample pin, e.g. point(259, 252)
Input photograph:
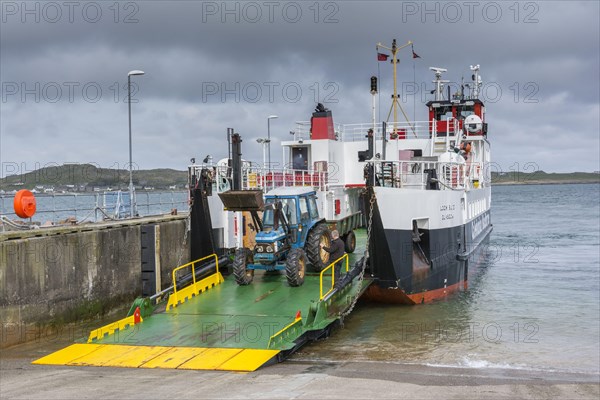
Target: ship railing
point(358, 132)
point(420, 175)
point(271, 179)
point(476, 175)
point(399, 130)
point(443, 132)
point(259, 177)
point(301, 130)
point(75, 208)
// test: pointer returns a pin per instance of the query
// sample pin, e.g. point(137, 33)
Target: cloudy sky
point(214, 65)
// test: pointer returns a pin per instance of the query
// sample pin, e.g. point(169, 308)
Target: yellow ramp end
point(195, 358)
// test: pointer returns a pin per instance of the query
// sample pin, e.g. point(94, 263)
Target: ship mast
point(395, 102)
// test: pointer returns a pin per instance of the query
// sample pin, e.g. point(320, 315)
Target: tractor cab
point(298, 210)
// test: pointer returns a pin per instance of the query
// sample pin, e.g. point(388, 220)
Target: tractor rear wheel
point(350, 242)
point(295, 267)
point(243, 275)
point(317, 237)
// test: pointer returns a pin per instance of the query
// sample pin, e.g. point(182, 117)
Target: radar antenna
point(439, 82)
point(477, 82)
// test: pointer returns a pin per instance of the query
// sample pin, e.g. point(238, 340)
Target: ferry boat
point(422, 188)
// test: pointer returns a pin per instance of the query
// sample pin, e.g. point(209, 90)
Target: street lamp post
point(132, 202)
point(269, 118)
point(265, 143)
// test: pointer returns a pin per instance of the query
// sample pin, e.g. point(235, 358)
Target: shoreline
point(516, 183)
point(41, 345)
point(294, 378)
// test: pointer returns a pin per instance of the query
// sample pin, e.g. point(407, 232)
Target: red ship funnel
point(321, 124)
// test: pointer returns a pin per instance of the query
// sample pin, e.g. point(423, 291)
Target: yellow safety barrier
point(110, 329)
point(330, 266)
point(193, 264)
point(196, 287)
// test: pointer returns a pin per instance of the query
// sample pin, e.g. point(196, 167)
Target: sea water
point(533, 303)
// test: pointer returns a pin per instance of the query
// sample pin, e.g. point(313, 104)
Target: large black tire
point(317, 237)
point(295, 267)
point(350, 242)
point(242, 258)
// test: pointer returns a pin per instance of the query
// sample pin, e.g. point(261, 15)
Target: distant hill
point(541, 177)
point(77, 176)
point(86, 177)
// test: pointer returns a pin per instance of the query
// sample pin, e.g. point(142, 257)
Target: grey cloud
point(183, 56)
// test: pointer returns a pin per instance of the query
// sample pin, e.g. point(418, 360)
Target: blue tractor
point(289, 235)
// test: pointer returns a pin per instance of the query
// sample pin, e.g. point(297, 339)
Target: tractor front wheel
point(295, 267)
point(243, 275)
point(319, 236)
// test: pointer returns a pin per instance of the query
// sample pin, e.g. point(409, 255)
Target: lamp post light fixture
point(132, 202)
point(269, 118)
point(265, 143)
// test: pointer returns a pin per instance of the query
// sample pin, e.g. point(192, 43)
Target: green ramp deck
point(221, 326)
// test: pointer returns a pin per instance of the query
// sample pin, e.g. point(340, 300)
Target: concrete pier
point(53, 277)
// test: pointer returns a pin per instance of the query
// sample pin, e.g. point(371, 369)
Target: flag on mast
point(382, 57)
point(415, 55)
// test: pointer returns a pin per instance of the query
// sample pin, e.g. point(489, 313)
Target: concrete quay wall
point(55, 277)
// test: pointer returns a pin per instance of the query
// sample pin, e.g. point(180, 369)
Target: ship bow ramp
point(215, 324)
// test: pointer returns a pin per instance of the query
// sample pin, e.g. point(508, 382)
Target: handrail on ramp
point(193, 264)
point(196, 287)
point(330, 266)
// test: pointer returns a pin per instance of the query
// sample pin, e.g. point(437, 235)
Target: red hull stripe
point(397, 296)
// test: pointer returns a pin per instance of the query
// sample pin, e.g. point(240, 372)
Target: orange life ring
point(24, 204)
